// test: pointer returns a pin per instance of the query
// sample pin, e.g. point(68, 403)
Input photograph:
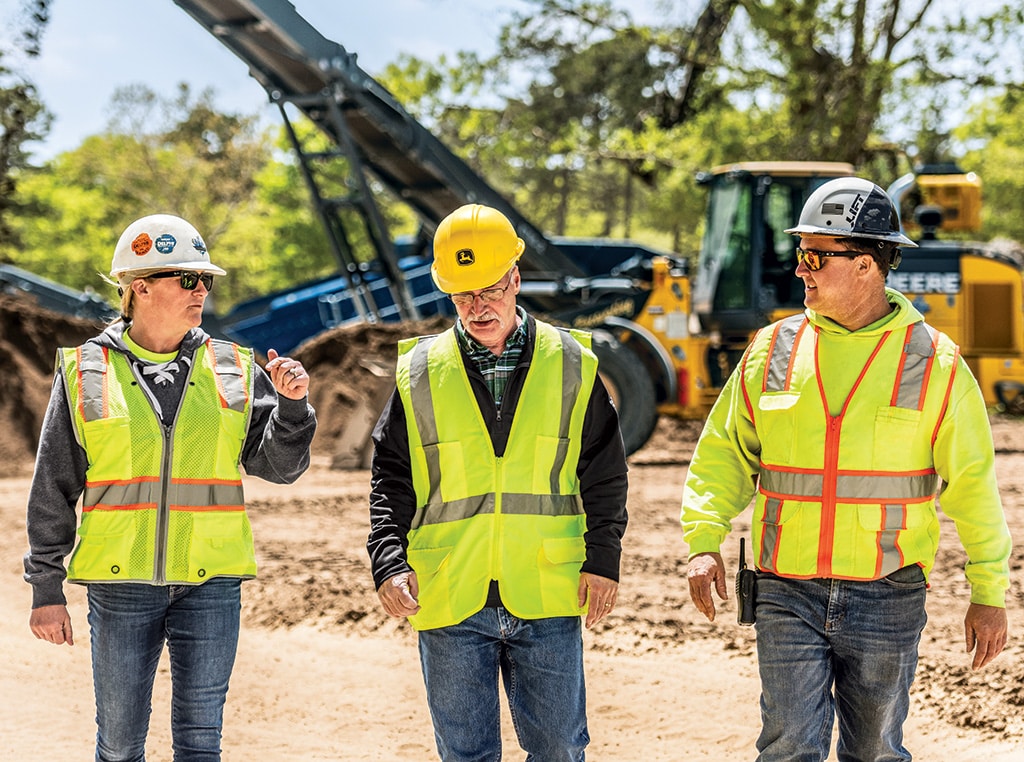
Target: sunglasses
point(188, 279)
point(814, 259)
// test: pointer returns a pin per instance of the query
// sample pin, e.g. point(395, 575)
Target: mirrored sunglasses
point(814, 259)
point(188, 279)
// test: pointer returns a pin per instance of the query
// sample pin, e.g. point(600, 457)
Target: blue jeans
point(541, 666)
point(829, 647)
point(129, 624)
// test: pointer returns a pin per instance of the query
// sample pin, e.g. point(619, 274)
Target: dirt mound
point(29, 337)
point(351, 371)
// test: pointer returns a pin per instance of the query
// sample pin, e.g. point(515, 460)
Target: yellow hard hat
point(474, 247)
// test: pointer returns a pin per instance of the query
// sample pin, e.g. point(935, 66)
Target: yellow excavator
point(744, 278)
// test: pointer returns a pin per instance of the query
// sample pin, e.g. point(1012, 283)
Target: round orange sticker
point(142, 244)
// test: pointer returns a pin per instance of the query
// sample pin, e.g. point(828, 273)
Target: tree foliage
point(180, 156)
point(23, 117)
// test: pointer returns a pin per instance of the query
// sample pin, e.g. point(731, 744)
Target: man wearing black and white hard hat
point(846, 422)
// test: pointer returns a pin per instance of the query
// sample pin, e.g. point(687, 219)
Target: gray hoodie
point(276, 449)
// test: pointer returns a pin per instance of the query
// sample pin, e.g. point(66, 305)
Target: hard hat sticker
point(165, 244)
point(832, 208)
point(855, 209)
point(142, 244)
point(465, 257)
point(198, 245)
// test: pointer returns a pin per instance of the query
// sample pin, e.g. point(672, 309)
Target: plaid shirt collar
point(495, 369)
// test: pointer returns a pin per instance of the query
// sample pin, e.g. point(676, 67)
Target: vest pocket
point(777, 430)
point(221, 544)
point(559, 579)
point(433, 575)
point(104, 550)
point(106, 443)
point(894, 427)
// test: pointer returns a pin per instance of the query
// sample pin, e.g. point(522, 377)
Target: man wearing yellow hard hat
point(498, 504)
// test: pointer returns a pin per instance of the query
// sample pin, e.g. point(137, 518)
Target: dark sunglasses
point(814, 259)
point(189, 279)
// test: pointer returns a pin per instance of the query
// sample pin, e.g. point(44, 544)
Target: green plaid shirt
point(495, 369)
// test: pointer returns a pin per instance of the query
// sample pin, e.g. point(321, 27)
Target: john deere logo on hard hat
point(465, 257)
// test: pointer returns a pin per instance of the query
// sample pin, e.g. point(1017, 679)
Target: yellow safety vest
point(161, 505)
point(849, 496)
point(517, 518)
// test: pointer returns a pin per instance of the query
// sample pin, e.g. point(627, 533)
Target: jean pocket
point(907, 578)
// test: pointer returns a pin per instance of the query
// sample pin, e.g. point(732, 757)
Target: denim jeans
point(829, 647)
point(541, 665)
point(129, 624)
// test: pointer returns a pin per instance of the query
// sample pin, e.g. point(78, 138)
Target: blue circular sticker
point(165, 244)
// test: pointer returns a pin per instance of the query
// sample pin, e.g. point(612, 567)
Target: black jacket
point(601, 470)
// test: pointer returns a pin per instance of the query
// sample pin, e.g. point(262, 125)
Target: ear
point(140, 286)
point(865, 264)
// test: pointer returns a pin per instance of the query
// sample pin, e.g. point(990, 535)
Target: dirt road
point(322, 674)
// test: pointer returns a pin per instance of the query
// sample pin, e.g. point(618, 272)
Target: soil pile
point(351, 370)
point(29, 337)
point(351, 367)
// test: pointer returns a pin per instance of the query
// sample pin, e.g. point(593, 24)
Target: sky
point(93, 47)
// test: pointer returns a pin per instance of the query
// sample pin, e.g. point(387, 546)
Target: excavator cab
point(745, 276)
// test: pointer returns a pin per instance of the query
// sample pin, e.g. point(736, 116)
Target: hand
point(398, 595)
point(704, 570)
point(602, 593)
point(52, 623)
point(288, 375)
point(984, 629)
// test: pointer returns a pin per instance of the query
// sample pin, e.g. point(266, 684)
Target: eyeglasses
point(466, 298)
point(814, 259)
point(188, 279)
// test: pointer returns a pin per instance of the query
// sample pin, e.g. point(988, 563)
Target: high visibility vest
point(517, 518)
point(162, 505)
point(850, 496)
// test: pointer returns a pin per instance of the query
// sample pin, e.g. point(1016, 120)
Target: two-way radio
point(746, 589)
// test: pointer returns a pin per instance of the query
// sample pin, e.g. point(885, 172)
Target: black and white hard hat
point(851, 207)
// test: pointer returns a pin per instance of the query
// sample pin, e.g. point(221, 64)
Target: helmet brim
point(199, 267)
point(897, 238)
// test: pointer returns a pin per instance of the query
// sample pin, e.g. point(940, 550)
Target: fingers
point(703, 571)
point(398, 595)
point(289, 377)
point(986, 647)
point(602, 594)
point(52, 624)
point(985, 633)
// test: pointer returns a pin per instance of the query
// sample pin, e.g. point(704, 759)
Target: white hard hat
point(164, 242)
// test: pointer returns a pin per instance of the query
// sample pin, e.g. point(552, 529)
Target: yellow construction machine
point(744, 279)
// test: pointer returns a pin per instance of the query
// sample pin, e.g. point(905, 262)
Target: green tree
point(23, 117)
point(997, 134)
point(176, 155)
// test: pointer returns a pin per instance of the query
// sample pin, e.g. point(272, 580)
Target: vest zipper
point(163, 510)
point(828, 496)
point(499, 488)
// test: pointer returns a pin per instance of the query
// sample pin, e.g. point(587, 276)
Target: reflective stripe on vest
point(154, 513)
point(885, 494)
point(481, 517)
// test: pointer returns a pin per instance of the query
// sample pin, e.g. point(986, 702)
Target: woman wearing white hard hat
point(150, 423)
